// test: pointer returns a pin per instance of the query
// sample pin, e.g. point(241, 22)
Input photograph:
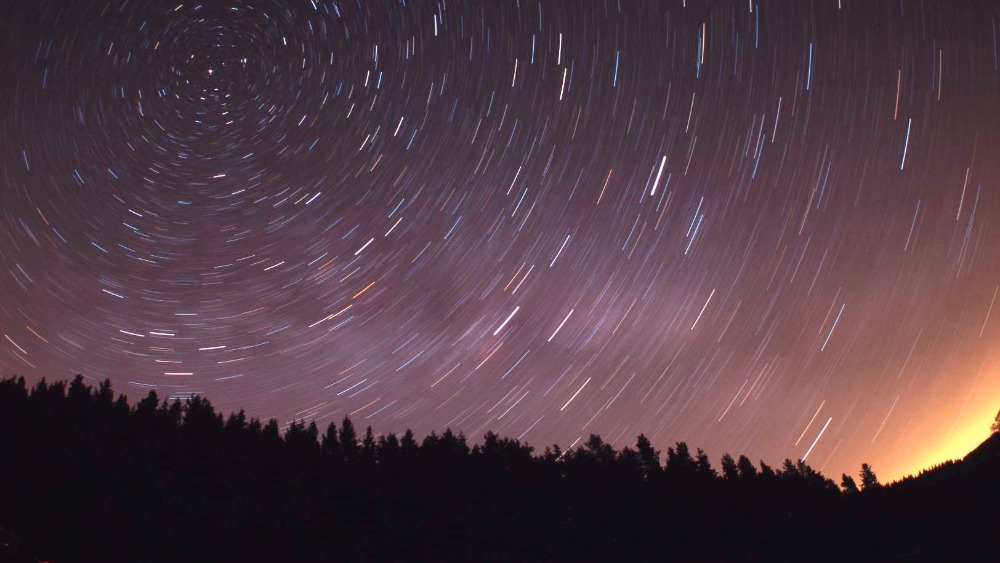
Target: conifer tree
point(649, 458)
point(746, 468)
point(847, 484)
point(868, 478)
point(349, 446)
point(729, 469)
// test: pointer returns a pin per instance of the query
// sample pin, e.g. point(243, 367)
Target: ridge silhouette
point(88, 477)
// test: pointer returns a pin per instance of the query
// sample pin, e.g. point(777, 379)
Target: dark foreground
point(88, 477)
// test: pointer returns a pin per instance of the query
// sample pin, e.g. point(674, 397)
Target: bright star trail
point(763, 227)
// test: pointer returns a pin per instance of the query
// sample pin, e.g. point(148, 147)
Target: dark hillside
point(90, 477)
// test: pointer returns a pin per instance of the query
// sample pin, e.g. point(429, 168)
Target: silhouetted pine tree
point(869, 481)
point(746, 468)
point(679, 461)
point(729, 469)
point(702, 465)
point(649, 458)
point(330, 445)
point(348, 439)
point(847, 484)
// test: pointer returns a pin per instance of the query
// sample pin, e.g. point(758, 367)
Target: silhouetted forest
point(88, 477)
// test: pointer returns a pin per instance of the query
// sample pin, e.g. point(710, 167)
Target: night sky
point(763, 227)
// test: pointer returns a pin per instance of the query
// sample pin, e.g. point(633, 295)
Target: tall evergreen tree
point(869, 480)
point(729, 469)
point(679, 460)
point(349, 447)
point(649, 458)
point(766, 471)
point(330, 445)
point(596, 449)
point(702, 465)
point(746, 468)
point(408, 447)
point(847, 484)
point(368, 446)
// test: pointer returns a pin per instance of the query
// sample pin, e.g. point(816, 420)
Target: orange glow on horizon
point(951, 433)
point(963, 440)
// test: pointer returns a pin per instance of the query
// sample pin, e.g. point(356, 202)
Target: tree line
point(90, 476)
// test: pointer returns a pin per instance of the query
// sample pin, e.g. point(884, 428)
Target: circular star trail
point(758, 226)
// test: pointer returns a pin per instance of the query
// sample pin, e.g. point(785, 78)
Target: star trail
point(763, 227)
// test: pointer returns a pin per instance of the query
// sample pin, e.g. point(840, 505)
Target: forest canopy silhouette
point(90, 477)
